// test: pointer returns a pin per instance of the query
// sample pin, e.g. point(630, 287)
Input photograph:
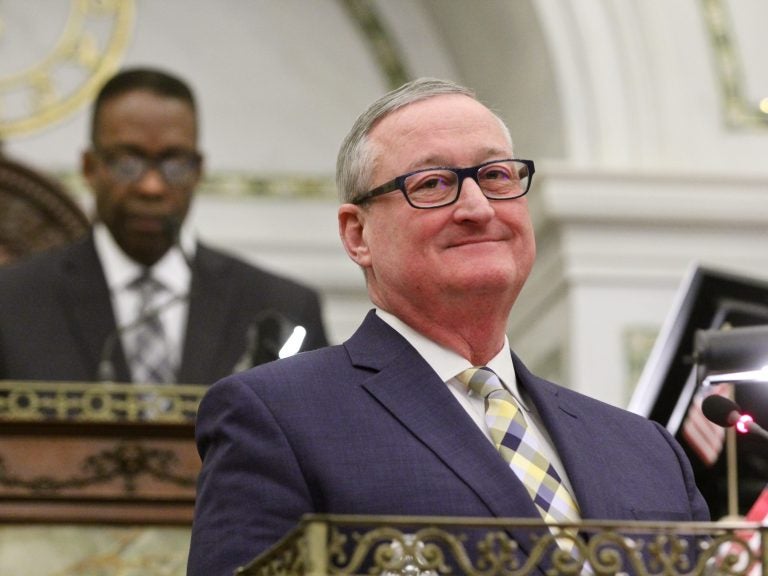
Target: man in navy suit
point(69, 314)
point(434, 212)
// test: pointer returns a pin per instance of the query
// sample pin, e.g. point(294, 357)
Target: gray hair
point(356, 155)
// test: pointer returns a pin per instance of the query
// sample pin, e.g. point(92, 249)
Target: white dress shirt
point(448, 365)
point(172, 271)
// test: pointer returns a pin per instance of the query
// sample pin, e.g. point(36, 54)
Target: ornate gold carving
point(72, 72)
point(98, 402)
point(126, 461)
point(739, 112)
point(382, 45)
point(389, 546)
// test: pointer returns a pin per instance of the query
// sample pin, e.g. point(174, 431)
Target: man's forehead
point(435, 158)
point(438, 117)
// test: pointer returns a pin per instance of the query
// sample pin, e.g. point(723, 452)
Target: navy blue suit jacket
point(369, 428)
point(56, 315)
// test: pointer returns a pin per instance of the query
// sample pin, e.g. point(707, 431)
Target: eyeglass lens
point(500, 180)
point(176, 170)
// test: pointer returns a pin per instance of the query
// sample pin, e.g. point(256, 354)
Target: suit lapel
point(207, 316)
point(86, 302)
point(577, 443)
point(410, 390)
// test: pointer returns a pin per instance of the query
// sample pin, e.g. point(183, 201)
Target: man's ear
point(352, 232)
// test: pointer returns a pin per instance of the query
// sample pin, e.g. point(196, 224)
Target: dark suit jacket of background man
point(56, 315)
point(369, 428)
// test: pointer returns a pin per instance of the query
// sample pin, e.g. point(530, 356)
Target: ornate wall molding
point(384, 49)
point(239, 184)
point(738, 110)
point(87, 52)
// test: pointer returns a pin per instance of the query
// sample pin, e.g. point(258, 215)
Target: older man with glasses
point(425, 410)
point(139, 300)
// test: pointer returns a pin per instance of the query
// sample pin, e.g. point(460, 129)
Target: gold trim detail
point(383, 47)
point(226, 183)
point(281, 186)
point(421, 546)
point(46, 87)
point(32, 401)
point(738, 111)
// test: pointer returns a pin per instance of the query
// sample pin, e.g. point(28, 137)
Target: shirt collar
point(172, 270)
point(447, 363)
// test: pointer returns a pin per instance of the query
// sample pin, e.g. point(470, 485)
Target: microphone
point(106, 368)
point(726, 413)
point(270, 336)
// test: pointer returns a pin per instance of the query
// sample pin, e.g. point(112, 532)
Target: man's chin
point(137, 225)
point(478, 279)
point(148, 250)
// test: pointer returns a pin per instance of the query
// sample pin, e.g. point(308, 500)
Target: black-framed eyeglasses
point(178, 169)
point(436, 187)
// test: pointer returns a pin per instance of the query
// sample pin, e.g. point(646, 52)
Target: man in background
point(139, 299)
point(424, 410)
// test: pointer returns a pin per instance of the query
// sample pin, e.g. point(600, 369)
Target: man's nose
point(471, 192)
point(152, 181)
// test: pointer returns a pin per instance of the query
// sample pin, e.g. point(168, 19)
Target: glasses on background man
point(178, 169)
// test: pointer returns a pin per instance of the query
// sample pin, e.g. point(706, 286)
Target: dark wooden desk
point(97, 453)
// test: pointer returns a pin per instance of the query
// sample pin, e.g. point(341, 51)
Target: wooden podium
point(96, 478)
point(106, 453)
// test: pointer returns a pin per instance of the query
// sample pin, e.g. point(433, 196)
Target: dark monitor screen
point(708, 299)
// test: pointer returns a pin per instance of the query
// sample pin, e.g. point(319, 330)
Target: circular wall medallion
point(61, 59)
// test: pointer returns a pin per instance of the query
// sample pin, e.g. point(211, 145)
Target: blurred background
point(647, 119)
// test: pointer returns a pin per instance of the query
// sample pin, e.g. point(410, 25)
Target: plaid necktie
point(146, 346)
point(520, 448)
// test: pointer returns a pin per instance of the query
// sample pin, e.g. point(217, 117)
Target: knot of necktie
point(481, 380)
point(148, 287)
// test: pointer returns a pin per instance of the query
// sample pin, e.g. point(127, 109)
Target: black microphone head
point(720, 410)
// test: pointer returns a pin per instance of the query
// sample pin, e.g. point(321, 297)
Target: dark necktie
point(147, 347)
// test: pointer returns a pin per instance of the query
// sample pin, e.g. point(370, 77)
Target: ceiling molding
point(738, 111)
point(383, 47)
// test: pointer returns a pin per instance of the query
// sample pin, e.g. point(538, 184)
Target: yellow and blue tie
point(520, 448)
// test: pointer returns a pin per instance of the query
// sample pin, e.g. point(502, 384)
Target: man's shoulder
point(41, 264)
point(583, 405)
point(608, 417)
point(304, 373)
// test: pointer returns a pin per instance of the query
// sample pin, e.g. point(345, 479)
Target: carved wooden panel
point(137, 472)
point(36, 212)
